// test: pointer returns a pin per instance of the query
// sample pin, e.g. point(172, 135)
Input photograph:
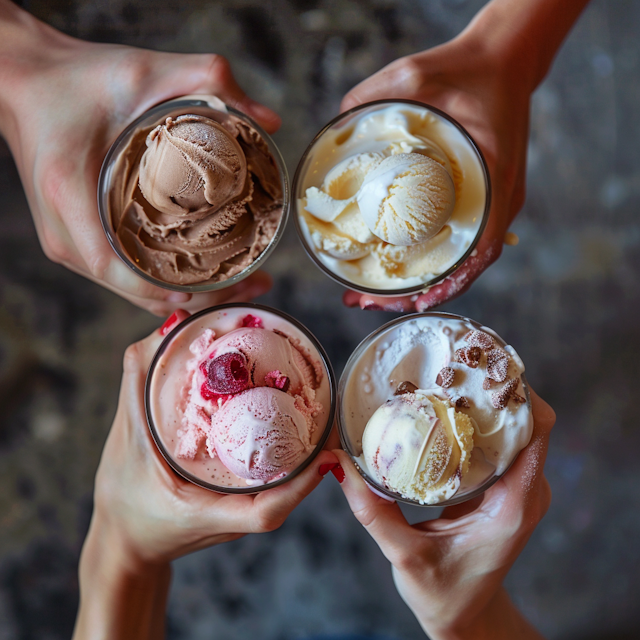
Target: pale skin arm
point(484, 78)
point(145, 516)
point(62, 103)
point(450, 570)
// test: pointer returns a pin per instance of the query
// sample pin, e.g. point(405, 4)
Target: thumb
point(220, 81)
point(382, 518)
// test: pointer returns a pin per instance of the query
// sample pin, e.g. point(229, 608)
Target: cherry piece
point(252, 321)
point(227, 374)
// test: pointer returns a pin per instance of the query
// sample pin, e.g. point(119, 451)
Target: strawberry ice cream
point(239, 398)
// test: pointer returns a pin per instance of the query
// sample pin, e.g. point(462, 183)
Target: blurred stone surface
point(567, 297)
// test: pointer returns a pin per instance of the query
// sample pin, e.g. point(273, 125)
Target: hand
point(156, 516)
point(64, 101)
point(489, 95)
point(145, 515)
point(450, 570)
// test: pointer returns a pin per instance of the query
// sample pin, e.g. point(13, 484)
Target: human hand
point(450, 570)
point(489, 95)
point(63, 102)
point(153, 515)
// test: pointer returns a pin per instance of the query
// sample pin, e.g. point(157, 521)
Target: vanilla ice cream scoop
point(406, 199)
point(418, 446)
point(191, 165)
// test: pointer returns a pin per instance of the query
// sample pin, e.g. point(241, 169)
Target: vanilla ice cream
point(446, 369)
point(392, 197)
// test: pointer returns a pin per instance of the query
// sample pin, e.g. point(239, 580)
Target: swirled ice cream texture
point(393, 199)
point(258, 417)
point(468, 370)
point(195, 200)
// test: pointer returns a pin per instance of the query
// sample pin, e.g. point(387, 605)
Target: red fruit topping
point(277, 380)
point(497, 365)
point(445, 377)
point(469, 356)
point(227, 374)
point(480, 339)
point(252, 321)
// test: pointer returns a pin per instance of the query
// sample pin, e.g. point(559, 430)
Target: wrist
point(523, 36)
point(120, 595)
point(498, 620)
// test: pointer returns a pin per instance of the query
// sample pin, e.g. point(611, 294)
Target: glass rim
point(297, 178)
point(103, 188)
point(177, 468)
point(356, 354)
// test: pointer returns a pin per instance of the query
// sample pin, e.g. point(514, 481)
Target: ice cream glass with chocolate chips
point(391, 197)
point(240, 398)
point(193, 195)
point(433, 408)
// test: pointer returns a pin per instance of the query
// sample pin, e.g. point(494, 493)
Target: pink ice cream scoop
point(255, 357)
point(260, 434)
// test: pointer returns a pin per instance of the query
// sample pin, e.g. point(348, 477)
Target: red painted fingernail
point(325, 468)
point(168, 323)
point(371, 306)
point(338, 473)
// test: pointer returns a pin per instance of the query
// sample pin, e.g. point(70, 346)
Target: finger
point(333, 441)
point(267, 510)
point(526, 474)
point(393, 304)
point(351, 298)
point(219, 80)
point(176, 318)
point(487, 252)
point(518, 501)
point(382, 519)
point(400, 79)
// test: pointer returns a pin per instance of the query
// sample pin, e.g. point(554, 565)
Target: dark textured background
point(567, 298)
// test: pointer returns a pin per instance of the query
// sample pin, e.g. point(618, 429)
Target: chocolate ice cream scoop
point(191, 165)
point(193, 194)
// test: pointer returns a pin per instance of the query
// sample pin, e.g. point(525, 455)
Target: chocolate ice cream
point(194, 200)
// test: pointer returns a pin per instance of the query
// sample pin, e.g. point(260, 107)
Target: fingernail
point(168, 323)
point(326, 467)
point(338, 473)
point(371, 306)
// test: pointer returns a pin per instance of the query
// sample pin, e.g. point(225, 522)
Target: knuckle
point(218, 68)
point(135, 69)
point(131, 359)
point(266, 521)
point(55, 247)
point(410, 73)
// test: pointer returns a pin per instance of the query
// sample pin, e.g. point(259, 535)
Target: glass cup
point(169, 380)
point(415, 348)
point(370, 265)
point(112, 193)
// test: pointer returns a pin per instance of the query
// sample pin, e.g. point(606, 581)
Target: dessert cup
point(443, 254)
point(410, 347)
point(169, 387)
point(115, 186)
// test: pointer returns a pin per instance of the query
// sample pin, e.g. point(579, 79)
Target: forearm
point(119, 598)
point(499, 620)
point(526, 33)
